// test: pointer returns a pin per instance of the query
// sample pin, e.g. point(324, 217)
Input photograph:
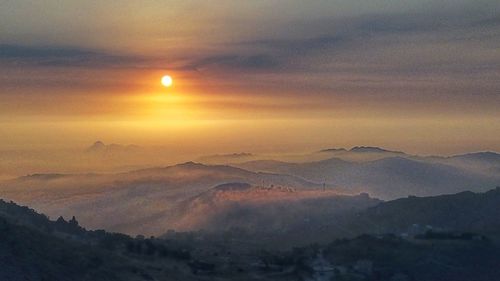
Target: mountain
point(461, 212)
point(372, 149)
point(257, 209)
point(32, 247)
point(309, 169)
point(488, 156)
point(100, 147)
point(27, 254)
point(333, 150)
point(466, 211)
point(389, 257)
point(151, 201)
point(136, 202)
point(484, 162)
point(227, 158)
point(385, 178)
point(361, 153)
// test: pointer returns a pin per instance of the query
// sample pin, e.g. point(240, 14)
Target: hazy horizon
point(119, 157)
point(417, 76)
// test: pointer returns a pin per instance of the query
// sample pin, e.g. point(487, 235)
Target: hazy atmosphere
point(420, 76)
point(328, 140)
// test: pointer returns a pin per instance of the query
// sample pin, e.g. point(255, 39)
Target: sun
point(167, 81)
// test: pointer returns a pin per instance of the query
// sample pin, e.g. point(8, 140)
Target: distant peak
point(241, 154)
point(96, 146)
point(233, 186)
point(372, 149)
point(482, 155)
point(43, 176)
point(226, 157)
point(333, 150)
point(100, 146)
point(190, 164)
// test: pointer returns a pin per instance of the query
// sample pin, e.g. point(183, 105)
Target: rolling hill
point(386, 178)
point(257, 209)
point(137, 202)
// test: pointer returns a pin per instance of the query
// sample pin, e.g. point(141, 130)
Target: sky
point(416, 75)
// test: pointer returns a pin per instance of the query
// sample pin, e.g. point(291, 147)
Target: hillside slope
point(137, 202)
point(386, 178)
point(255, 209)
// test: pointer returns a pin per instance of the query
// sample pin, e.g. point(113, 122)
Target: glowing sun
point(167, 81)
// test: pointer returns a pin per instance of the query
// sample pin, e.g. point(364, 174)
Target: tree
point(73, 221)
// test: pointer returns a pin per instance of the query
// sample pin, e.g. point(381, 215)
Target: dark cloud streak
point(351, 40)
point(62, 57)
point(254, 62)
point(357, 44)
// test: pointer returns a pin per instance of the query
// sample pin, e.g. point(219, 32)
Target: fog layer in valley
point(243, 190)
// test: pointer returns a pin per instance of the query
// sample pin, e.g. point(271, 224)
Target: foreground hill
point(465, 211)
point(32, 247)
point(27, 254)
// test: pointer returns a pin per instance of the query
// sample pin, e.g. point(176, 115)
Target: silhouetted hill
point(463, 212)
point(32, 247)
point(28, 254)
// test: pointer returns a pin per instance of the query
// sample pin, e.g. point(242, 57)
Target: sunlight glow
point(167, 81)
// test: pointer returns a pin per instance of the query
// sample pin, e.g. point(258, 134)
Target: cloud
point(451, 42)
point(445, 41)
point(62, 57)
point(301, 45)
point(239, 62)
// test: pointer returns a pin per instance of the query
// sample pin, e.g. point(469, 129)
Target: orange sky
point(249, 79)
